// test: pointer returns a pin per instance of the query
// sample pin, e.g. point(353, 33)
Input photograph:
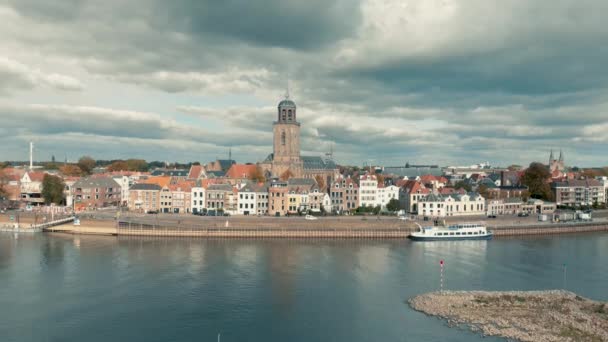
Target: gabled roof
point(216, 174)
point(96, 182)
point(253, 187)
point(220, 187)
point(181, 186)
point(162, 181)
point(318, 163)
point(171, 172)
point(196, 171)
point(36, 176)
point(225, 164)
point(145, 186)
point(241, 170)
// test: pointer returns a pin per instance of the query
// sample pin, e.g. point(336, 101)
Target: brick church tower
point(286, 146)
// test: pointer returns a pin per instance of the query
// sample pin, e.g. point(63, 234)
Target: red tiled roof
point(36, 176)
point(241, 170)
point(161, 181)
point(195, 171)
point(182, 186)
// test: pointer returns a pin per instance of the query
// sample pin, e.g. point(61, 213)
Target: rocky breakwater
point(525, 316)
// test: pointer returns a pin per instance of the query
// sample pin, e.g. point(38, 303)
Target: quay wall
point(308, 229)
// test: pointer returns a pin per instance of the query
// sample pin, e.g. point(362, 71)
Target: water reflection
point(100, 288)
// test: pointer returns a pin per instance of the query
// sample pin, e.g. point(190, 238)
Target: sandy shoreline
point(554, 315)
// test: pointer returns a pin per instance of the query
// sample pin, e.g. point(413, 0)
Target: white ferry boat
point(460, 231)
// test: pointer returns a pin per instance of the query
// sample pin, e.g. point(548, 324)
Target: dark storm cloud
point(291, 24)
point(517, 76)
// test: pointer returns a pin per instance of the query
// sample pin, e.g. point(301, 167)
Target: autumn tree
point(119, 165)
point(4, 179)
point(320, 181)
point(137, 165)
point(286, 175)
point(536, 178)
point(70, 170)
point(52, 189)
point(86, 164)
point(257, 175)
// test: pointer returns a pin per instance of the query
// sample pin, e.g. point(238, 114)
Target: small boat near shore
point(460, 231)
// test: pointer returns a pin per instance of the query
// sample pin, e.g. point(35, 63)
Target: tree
point(119, 165)
point(483, 191)
point(377, 210)
point(462, 185)
point(137, 165)
point(52, 189)
point(71, 170)
point(320, 181)
point(286, 175)
point(392, 205)
point(86, 164)
point(3, 182)
point(257, 175)
point(536, 178)
point(514, 167)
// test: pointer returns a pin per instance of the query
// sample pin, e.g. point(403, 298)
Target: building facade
point(452, 205)
point(344, 195)
point(144, 198)
point(579, 192)
point(92, 193)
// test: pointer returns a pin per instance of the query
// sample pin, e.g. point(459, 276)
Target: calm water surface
point(87, 288)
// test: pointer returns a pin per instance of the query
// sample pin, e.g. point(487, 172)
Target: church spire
point(561, 156)
point(551, 157)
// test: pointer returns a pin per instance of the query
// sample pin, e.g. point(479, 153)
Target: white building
point(452, 205)
point(247, 201)
point(197, 199)
point(385, 194)
point(368, 191)
point(125, 184)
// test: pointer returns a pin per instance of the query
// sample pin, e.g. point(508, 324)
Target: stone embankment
point(555, 315)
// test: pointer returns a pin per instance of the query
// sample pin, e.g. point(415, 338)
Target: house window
point(283, 138)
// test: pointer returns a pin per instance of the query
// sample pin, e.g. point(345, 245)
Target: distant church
point(556, 164)
point(286, 156)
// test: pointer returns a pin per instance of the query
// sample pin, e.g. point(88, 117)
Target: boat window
point(470, 233)
point(457, 233)
point(452, 233)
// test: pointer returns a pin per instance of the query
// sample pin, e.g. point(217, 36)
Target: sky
point(384, 82)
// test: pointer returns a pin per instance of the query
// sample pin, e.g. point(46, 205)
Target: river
point(94, 288)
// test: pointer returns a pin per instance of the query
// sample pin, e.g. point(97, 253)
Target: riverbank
point(525, 316)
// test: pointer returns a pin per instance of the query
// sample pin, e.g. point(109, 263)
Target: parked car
point(523, 214)
point(492, 216)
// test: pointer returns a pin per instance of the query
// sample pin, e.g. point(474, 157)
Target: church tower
point(286, 142)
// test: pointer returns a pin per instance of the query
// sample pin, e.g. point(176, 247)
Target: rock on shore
point(526, 316)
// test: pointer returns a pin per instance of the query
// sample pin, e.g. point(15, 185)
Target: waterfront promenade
point(330, 227)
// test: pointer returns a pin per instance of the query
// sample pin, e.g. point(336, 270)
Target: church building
point(286, 158)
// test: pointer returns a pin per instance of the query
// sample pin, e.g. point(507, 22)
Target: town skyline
point(434, 82)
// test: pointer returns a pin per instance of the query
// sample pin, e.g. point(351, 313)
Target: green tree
point(86, 164)
point(52, 189)
point(376, 210)
point(462, 185)
point(393, 205)
point(536, 178)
